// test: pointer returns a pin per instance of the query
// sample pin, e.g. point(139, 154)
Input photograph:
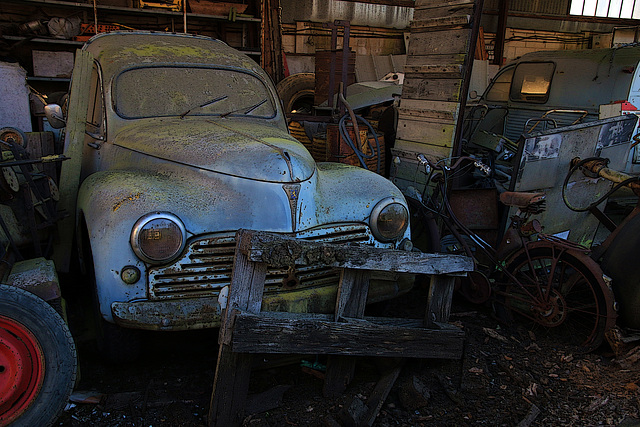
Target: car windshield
point(180, 91)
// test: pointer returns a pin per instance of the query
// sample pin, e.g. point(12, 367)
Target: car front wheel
point(38, 361)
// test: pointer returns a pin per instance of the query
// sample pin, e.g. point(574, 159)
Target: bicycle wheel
point(561, 290)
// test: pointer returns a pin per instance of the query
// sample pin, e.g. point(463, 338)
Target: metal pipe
point(184, 15)
point(95, 16)
point(599, 167)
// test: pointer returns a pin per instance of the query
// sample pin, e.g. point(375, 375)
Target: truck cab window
point(531, 82)
point(499, 90)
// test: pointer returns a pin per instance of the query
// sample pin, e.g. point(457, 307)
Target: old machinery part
point(594, 167)
point(13, 136)
point(10, 179)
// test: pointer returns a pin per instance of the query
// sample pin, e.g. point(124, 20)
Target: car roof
point(586, 78)
point(120, 50)
point(626, 53)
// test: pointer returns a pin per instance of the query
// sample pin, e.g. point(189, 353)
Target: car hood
point(245, 148)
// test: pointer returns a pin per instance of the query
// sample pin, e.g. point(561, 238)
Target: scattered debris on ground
point(509, 376)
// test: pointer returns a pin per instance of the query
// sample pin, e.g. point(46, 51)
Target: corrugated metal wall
point(541, 7)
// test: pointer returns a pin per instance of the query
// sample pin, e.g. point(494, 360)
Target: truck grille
point(206, 266)
point(517, 121)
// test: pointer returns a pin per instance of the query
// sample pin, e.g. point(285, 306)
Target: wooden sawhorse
point(246, 330)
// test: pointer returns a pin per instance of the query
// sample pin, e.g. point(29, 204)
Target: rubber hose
point(342, 126)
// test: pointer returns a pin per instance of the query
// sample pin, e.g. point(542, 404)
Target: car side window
point(499, 90)
point(95, 109)
point(531, 82)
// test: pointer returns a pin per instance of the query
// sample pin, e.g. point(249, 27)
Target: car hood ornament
point(293, 193)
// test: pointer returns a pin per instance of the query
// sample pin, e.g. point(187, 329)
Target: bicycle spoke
point(568, 300)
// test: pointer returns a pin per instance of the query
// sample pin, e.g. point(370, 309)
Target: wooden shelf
point(43, 40)
point(131, 10)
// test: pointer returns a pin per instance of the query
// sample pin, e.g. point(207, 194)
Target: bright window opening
point(625, 9)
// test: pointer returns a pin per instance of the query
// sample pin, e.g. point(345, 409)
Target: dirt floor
point(509, 375)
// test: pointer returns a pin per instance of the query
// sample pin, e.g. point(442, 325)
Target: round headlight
point(158, 237)
point(389, 220)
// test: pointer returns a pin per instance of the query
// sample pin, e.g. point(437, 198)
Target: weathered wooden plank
point(433, 71)
point(432, 151)
point(230, 388)
point(426, 132)
point(277, 250)
point(432, 89)
point(380, 393)
point(439, 300)
point(424, 104)
point(263, 333)
point(429, 12)
point(351, 302)
point(233, 369)
point(438, 116)
point(440, 23)
point(352, 294)
point(245, 290)
point(439, 42)
point(434, 4)
point(435, 58)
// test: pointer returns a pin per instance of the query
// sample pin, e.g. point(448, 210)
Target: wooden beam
point(277, 250)
point(350, 302)
point(498, 51)
point(300, 334)
point(398, 3)
point(233, 369)
point(439, 300)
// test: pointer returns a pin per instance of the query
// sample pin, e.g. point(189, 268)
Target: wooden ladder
point(247, 330)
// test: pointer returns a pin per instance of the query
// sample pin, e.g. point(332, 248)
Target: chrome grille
point(206, 266)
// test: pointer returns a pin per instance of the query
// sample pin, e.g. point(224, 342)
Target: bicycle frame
point(524, 276)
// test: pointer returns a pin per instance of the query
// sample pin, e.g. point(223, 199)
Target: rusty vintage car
point(184, 143)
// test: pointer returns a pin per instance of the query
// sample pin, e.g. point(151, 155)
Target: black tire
point(581, 306)
point(297, 92)
point(45, 347)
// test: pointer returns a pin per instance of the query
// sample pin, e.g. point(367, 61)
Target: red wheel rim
point(21, 369)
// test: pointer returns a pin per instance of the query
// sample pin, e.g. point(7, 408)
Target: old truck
point(550, 89)
point(176, 142)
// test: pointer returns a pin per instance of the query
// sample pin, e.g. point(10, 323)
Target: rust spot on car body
point(127, 199)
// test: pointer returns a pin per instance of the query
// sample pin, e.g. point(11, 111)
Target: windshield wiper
point(213, 101)
point(248, 109)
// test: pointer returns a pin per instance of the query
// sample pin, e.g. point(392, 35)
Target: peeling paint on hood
point(237, 147)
